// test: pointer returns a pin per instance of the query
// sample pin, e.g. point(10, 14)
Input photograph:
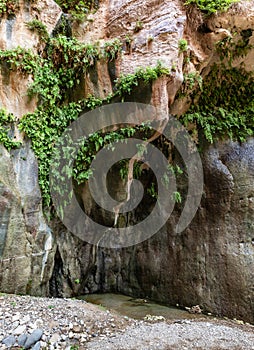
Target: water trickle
point(9, 28)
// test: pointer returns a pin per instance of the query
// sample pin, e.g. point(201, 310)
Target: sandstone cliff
point(211, 263)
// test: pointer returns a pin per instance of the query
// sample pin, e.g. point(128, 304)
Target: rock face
point(24, 236)
point(14, 33)
point(211, 263)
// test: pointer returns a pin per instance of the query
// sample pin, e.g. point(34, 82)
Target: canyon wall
point(211, 263)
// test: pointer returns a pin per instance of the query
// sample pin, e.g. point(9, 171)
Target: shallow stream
point(137, 308)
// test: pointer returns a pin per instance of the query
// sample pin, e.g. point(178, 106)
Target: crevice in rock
point(56, 282)
point(63, 27)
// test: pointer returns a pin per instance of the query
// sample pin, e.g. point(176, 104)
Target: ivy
point(78, 9)
point(9, 7)
point(6, 123)
point(19, 59)
point(43, 128)
point(212, 6)
point(99, 140)
point(126, 83)
point(55, 73)
point(225, 107)
point(234, 46)
point(39, 27)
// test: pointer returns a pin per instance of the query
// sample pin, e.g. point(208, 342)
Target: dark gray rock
point(9, 341)
point(33, 338)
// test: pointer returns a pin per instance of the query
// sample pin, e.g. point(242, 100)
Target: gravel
point(188, 335)
point(47, 323)
point(65, 324)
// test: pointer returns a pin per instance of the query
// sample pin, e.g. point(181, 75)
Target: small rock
point(195, 310)
point(19, 330)
point(53, 324)
point(54, 338)
point(25, 319)
point(37, 346)
point(15, 324)
point(9, 341)
point(77, 329)
point(22, 339)
point(71, 335)
point(44, 337)
point(15, 317)
point(33, 338)
point(83, 339)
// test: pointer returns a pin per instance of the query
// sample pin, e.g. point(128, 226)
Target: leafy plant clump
point(78, 9)
point(126, 83)
point(225, 107)
point(8, 7)
point(39, 27)
point(57, 72)
point(182, 45)
point(6, 138)
point(212, 6)
point(49, 121)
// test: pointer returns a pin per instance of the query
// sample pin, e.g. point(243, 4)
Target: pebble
point(72, 324)
point(15, 317)
point(46, 323)
point(54, 338)
point(37, 346)
point(19, 330)
point(25, 319)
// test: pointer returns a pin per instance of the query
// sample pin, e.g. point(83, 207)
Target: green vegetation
point(6, 119)
point(126, 83)
point(56, 74)
point(191, 80)
point(74, 347)
point(78, 9)
point(225, 107)
point(229, 48)
point(212, 6)
point(138, 26)
point(152, 191)
point(183, 45)
point(39, 27)
point(222, 105)
point(112, 49)
point(8, 7)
